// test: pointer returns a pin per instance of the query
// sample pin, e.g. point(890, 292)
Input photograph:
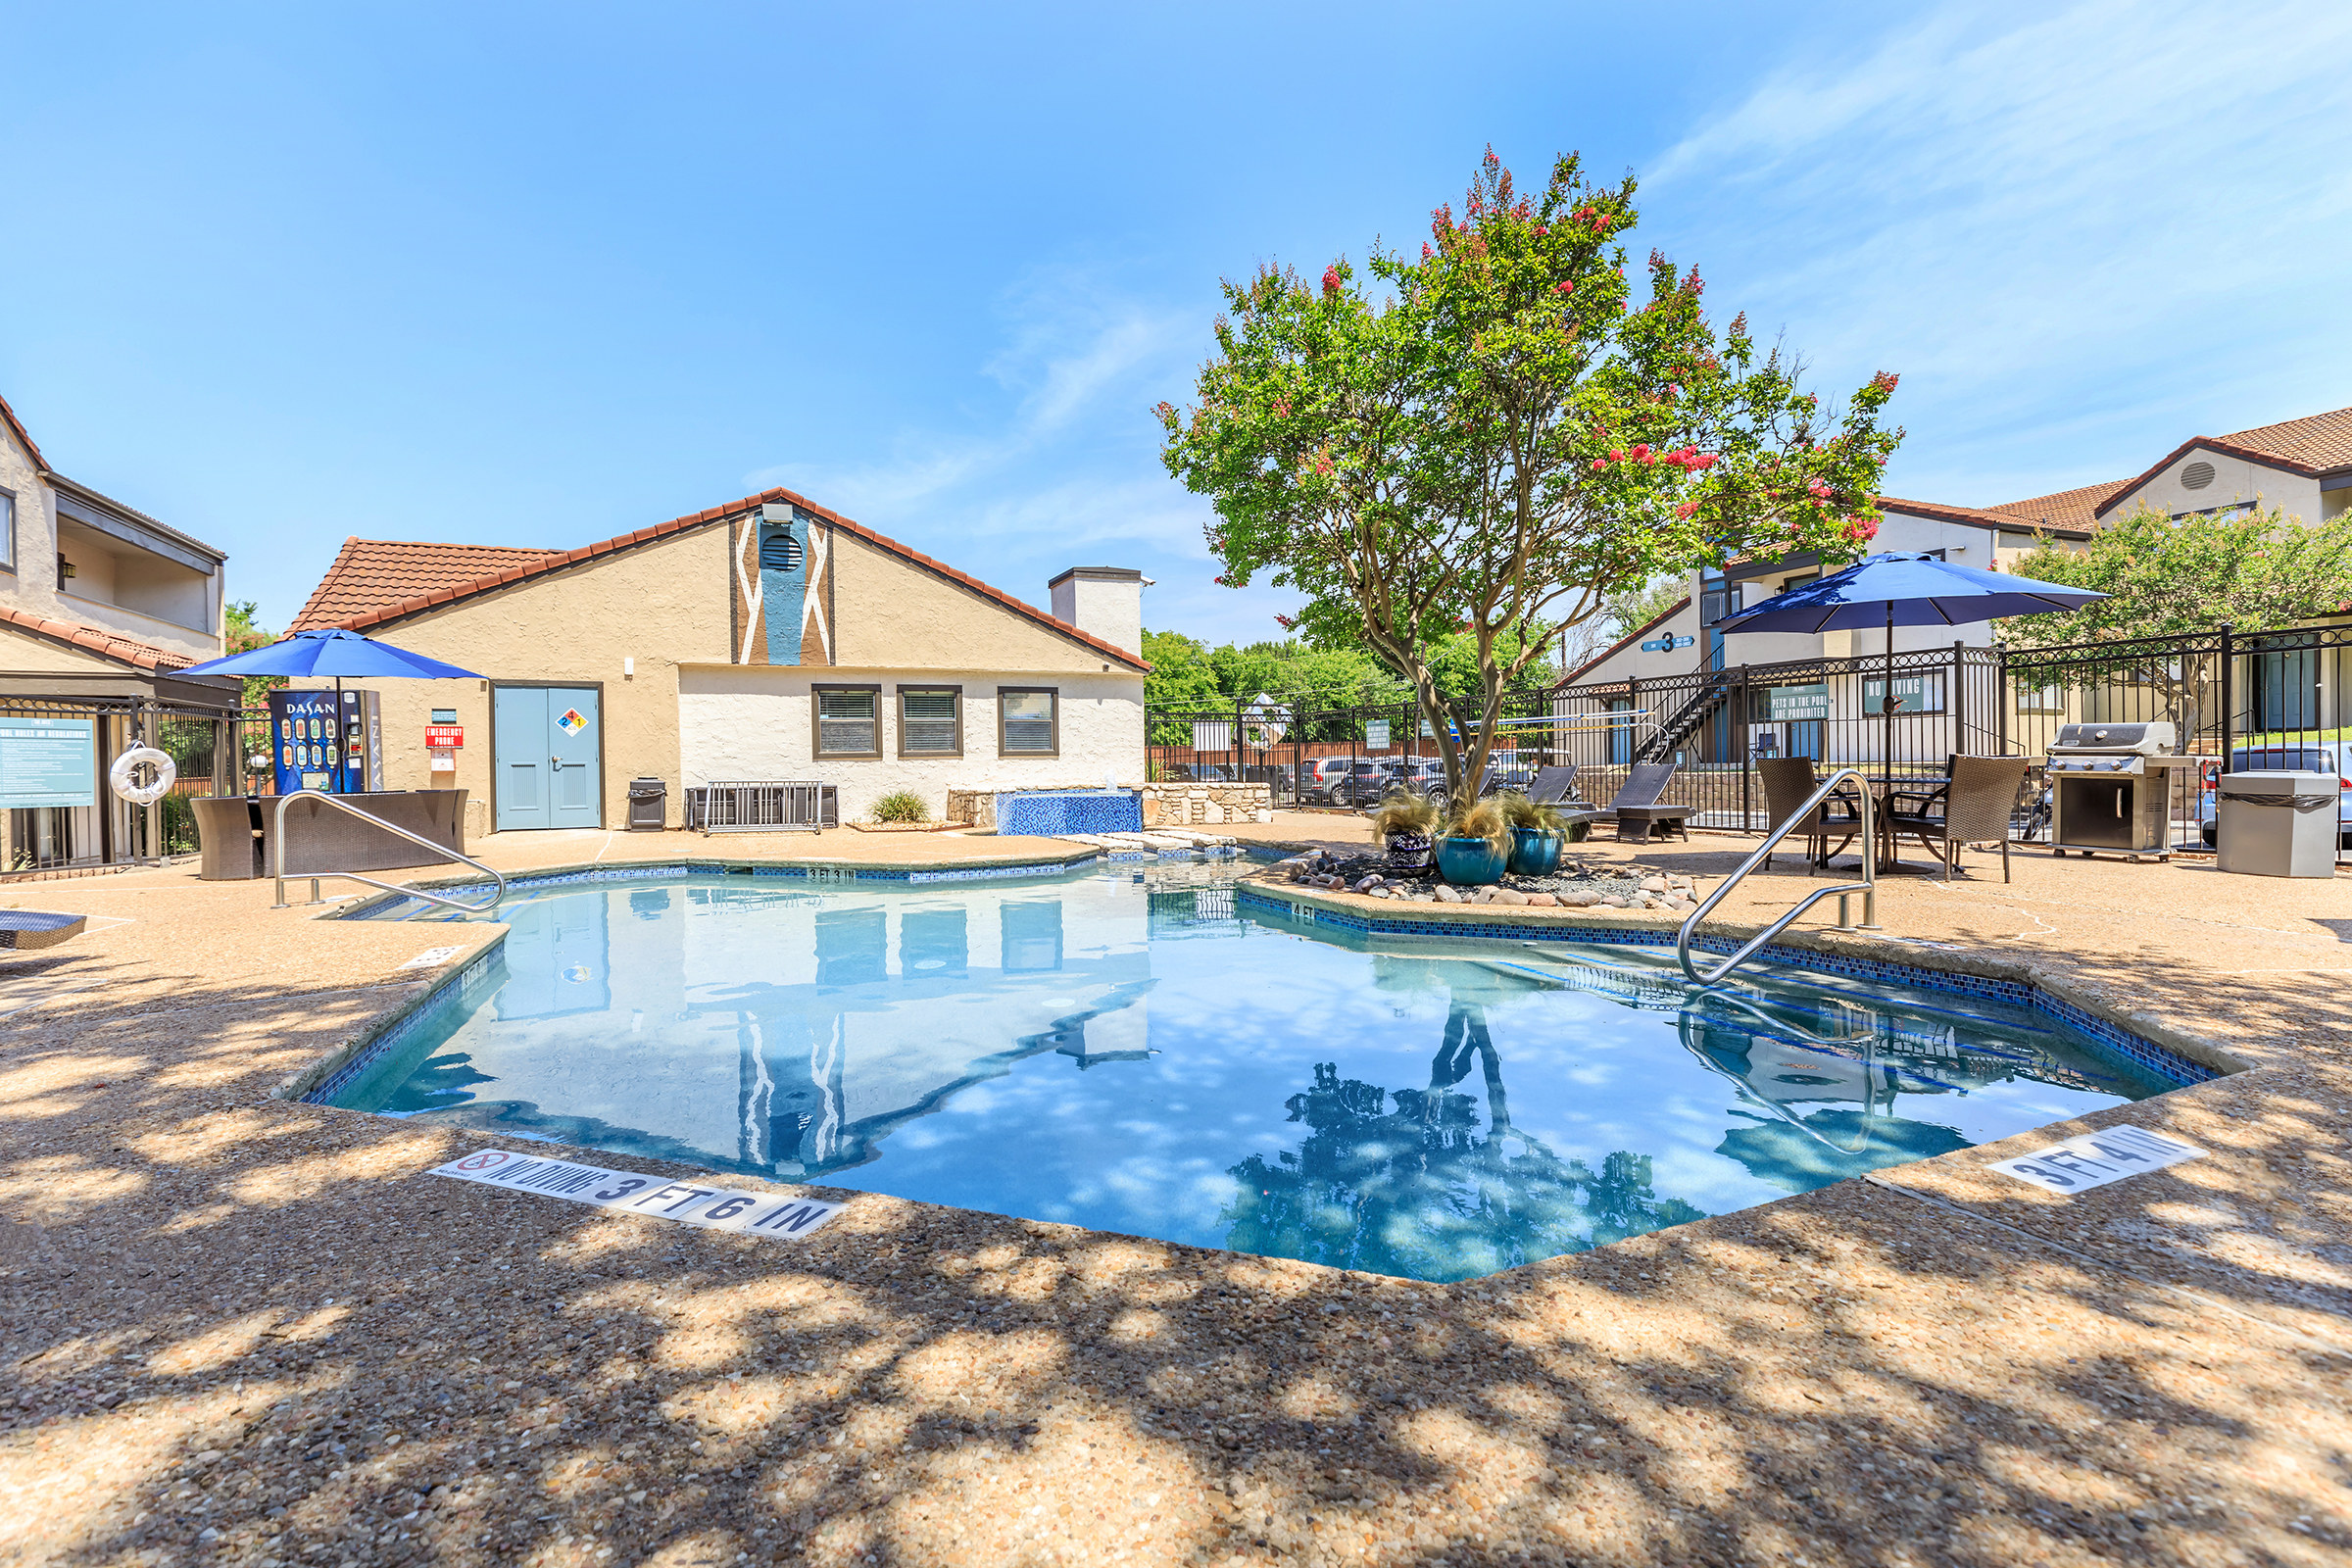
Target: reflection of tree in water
point(1416, 1191)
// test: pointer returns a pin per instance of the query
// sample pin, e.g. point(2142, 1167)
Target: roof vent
point(2196, 477)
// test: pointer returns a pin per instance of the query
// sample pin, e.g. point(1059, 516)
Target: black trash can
point(649, 805)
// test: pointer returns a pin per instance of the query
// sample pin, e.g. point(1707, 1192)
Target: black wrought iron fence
point(2240, 701)
point(61, 811)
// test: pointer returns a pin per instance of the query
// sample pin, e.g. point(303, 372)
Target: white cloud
point(1078, 365)
point(2071, 234)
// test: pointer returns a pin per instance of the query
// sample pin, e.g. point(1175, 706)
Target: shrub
point(1520, 811)
point(1403, 813)
point(1484, 819)
point(901, 805)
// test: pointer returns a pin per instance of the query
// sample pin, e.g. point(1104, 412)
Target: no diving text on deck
point(715, 1208)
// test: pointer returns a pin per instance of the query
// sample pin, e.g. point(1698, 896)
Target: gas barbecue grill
point(2112, 789)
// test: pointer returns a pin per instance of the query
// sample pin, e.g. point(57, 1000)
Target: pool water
point(1127, 1050)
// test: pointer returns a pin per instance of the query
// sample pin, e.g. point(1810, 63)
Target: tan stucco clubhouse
point(703, 671)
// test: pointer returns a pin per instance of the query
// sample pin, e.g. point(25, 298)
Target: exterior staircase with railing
point(1681, 724)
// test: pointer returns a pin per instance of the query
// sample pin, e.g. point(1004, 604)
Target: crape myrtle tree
point(1502, 438)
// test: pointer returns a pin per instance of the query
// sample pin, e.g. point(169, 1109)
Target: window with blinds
point(844, 725)
point(1026, 726)
point(928, 723)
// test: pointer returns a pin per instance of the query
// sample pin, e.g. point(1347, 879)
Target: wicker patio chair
point(1789, 781)
point(1976, 802)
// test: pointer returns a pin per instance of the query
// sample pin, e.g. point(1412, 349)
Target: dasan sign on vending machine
point(314, 749)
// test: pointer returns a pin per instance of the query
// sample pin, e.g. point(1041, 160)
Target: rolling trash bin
point(649, 805)
point(2277, 823)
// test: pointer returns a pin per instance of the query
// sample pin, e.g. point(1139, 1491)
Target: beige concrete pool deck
point(238, 1329)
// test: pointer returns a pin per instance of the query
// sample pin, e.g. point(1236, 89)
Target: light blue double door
point(547, 754)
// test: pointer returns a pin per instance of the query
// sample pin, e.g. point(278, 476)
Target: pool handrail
point(1868, 887)
point(279, 854)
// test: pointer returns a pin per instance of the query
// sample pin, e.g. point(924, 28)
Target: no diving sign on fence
point(717, 1209)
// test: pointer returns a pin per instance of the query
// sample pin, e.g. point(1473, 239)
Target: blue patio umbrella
point(1896, 589)
point(333, 655)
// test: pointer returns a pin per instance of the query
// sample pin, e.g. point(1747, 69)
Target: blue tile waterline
point(1145, 1049)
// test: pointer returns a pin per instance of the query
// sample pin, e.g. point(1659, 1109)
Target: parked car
point(1326, 779)
point(2294, 757)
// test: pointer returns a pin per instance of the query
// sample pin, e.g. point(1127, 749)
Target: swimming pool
point(1133, 1049)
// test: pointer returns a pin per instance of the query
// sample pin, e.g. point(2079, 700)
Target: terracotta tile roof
point(17, 425)
point(1945, 513)
point(2072, 511)
point(2312, 445)
point(2316, 442)
point(112, 645)
point(1625, 641)
point(370, 573)
point(537, 564)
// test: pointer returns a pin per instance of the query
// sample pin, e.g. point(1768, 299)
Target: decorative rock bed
point(1573, 887)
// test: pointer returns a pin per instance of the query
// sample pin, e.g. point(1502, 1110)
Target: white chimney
point(1105, 602)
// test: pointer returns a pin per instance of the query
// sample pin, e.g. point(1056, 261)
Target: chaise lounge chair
point(1635, 806)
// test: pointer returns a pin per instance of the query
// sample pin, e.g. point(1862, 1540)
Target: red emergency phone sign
point(444, 737)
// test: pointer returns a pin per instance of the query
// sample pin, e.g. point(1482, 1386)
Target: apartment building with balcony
point(101, 609)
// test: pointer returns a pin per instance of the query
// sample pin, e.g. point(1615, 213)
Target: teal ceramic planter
point(1471, 863)
point(1535, 850)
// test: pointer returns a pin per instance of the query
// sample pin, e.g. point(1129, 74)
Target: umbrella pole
point(1886, 703)
point(334, 772)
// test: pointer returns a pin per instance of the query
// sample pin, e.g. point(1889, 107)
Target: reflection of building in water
point(795, 1041)
point(830, 1065)
point(1415, 1180)
point(1180, 912)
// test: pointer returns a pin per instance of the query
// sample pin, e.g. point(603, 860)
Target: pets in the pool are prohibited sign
point(712, 1208)
point(2096, 1158)
point(572, 723)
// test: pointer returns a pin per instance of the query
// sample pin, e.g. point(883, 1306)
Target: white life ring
point(123, 775)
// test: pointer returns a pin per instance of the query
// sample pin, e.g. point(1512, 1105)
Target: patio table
point(1880, 789)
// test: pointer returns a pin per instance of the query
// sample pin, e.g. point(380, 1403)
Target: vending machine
point(316, 747)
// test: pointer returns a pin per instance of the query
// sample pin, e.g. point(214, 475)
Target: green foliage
point(1502, 439)
point(243, 632)
point(2169, 576)
point(1182, 677)
point(901, 805)
point(1639, 607)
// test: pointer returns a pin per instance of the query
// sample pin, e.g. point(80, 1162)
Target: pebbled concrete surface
point(238, 1330)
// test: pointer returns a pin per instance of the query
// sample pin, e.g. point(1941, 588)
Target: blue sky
point(539, 275)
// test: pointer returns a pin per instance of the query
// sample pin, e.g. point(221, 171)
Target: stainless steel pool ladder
point(1868, 887)
point(278, 844)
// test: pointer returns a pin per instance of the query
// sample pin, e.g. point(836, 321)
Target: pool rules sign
point(709, 1206)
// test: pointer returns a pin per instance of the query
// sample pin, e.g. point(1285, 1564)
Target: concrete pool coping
point(2154, 1368)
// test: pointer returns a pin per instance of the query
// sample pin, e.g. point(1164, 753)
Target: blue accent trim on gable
point(784, 590)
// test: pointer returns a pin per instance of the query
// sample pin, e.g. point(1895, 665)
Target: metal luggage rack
point(762, 806)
